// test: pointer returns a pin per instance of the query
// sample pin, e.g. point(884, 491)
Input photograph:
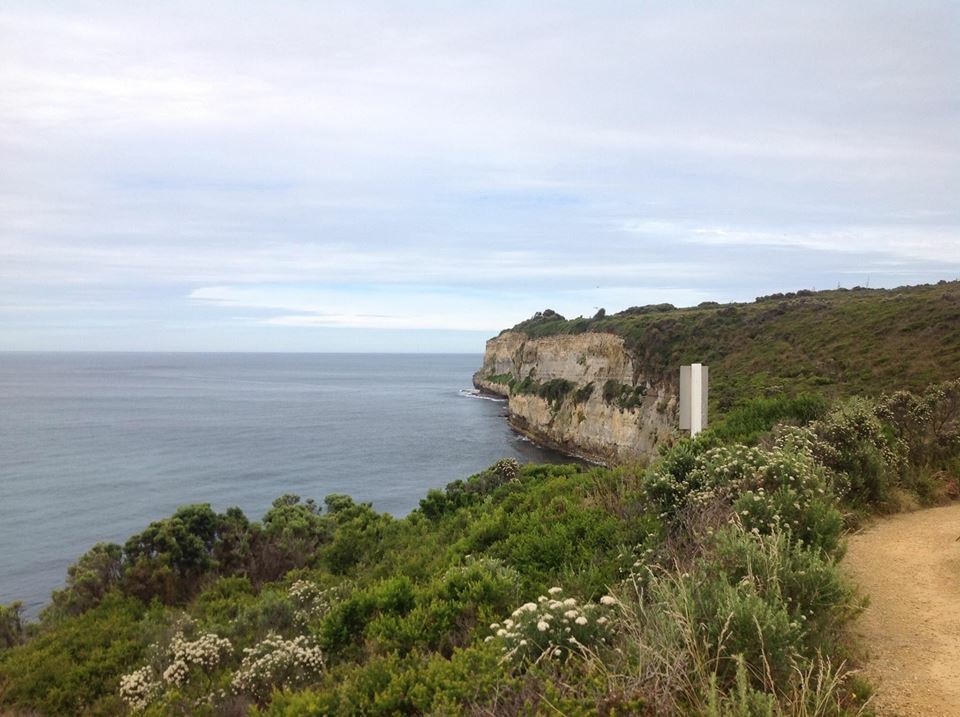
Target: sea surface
point(94, 446)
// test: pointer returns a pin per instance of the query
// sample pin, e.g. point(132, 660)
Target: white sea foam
point(475, 393)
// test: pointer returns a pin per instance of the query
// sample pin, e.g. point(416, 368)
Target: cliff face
point(582, 394)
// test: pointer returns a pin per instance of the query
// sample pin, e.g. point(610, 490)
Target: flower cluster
point(554, 627)
point(181, 658)
point(311, 603)
point(697, 481)
point(791, 492)
point(139, 688)
point(204, 652)
point(277, 663)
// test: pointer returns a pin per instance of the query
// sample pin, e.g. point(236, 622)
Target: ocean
point(94, 446)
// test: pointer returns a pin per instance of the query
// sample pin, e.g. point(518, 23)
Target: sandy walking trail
point(909, 565)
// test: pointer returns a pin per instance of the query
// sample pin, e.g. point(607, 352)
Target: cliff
point(583, 394)
point(605, 388)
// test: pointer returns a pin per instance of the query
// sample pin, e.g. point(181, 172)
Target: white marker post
point(693, 398)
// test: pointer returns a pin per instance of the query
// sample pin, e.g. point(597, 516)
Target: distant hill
point(839, 342)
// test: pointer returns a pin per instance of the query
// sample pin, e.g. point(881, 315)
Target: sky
point(417, 176)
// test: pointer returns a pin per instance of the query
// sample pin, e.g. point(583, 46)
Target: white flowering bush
point(687, 479)
point(554, 627)
point(783, 488)
point(792, 493)
point(184, 661)
point(188, 656)
point(276, 663)
point(140, 688)
point(311, 602)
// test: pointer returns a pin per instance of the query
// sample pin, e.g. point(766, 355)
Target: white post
point(694, 381)
point(696, 399)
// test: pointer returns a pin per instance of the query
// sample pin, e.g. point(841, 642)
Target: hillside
point(839, 342)
point(606, 388)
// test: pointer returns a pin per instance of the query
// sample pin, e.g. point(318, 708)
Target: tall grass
point(692, 643)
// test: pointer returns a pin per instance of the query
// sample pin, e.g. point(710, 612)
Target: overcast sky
point(312, 176)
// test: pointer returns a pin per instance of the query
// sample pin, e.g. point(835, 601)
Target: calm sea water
point(95, 446)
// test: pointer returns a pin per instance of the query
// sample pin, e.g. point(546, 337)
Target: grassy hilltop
point(705, 584)
point(833, 343)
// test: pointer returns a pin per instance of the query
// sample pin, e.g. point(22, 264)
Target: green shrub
point(75, 667)
point(747, 422)
point(11, 624)
point(782, 488)
point(852, 441)
point(623, 395)
point(743, 625)
point(927, 425)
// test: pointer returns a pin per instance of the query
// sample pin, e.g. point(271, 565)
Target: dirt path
point(909, 565)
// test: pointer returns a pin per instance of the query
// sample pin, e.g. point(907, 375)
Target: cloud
point(608, 155)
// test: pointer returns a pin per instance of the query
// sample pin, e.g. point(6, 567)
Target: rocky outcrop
point(582, 394)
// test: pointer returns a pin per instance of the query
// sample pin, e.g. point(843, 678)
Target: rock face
point(582, 394)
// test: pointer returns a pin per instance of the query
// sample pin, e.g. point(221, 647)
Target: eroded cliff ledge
point(582, 394)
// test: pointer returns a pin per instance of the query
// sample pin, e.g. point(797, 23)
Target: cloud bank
point(293, 176)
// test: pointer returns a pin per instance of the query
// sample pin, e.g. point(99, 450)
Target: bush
point(781, 488)
point(276, 663)
point(11, 624)
point(741, 626)
point(554, 628)
point(852, 440)
point(747, 422)
point(623, 395)
point(927, 425)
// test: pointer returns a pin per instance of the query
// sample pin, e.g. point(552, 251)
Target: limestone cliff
point(582, 394)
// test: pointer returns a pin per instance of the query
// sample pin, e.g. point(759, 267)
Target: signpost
point(693, 398)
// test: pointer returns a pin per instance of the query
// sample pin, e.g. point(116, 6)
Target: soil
point(909, 566)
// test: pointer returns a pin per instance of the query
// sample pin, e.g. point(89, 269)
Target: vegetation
point(706, 584)
point(554, 391)
point(623, 395)
point(830, 343)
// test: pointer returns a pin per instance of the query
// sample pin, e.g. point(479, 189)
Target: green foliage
point(11, 624)
point(223, 602)
point(168, 558)
point(853, 441)
point(460, 494)
point(293, 530)
point(88, 580)
point(76, 667)
point(583, 394)
point(741, 628)
point(553, 391)
point(390, 685)
point(782, 488)
point(757, 416)
point(357, 536)
point(544, 321)
point(810, 586)
point(623, 395)
point(927, 425)
point(732, 599)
